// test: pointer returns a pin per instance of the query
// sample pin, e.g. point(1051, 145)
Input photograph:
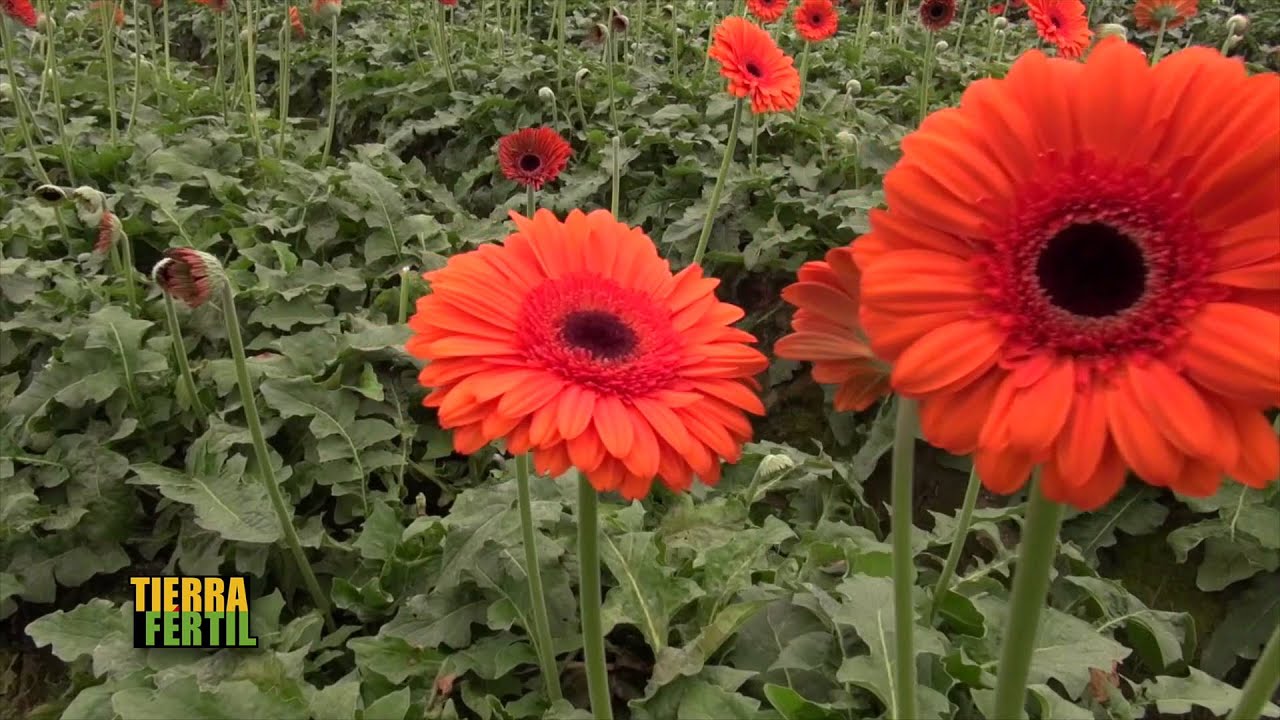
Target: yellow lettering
point(213, 594)
point(139, 593)
point(191, 595)
point(237, 596)
point(170, 594)
point(157, 604)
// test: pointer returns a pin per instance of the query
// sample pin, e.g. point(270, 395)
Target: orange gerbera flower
point(767, 11)
point(214, 5)
point(295, 22)
point(755, 66)
point(533, 156)
point(1148, 14)
point(573, 340)
point(1079, 268)
point(816, 20)
point(828, 334)
point(1063, 23)
point(115, 11)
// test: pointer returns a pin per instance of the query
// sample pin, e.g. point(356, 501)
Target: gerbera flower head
point(618, 22)
point(816, 20)
point(1062, 23)
point(214, 5)
point(114, 10)
point(937, 14)
point(188, 275)
point(996, 9)
point(326, 9)
point(22, 11)
point(109, 231)
point(1148, 14)
point(295, 22)
point(573, 340)
point(1066, 278)
point(755, 66)
point(533, 156)
point(449, 3)
point(767, 11)
point(827, 333)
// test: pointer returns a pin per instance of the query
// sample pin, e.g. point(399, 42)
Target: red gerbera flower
point(20, 10)
point(1148, 14)
point(108, 232)
point(214, 5)
point(188, 275)
point(295, 22)
point(755, 66)
point(448, 3)
point(997, 9)
point(1062, 23)
point(573, 340)
point(533, 156)
point(116, 12)
point(937, 14)
point(816, 20)
point(767, 11)
point(1079, 269)
point(327, 9)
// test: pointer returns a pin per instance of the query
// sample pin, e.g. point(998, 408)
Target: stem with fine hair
point(926, 73)
point(541, 629)
point(333, 89)
point(265, 472)
point(1030, 585)
point(904, 569)
point(21, 110)
point(615, 200)
point(286, 31)
point(714, 202)
point(1155, 54)
point(590, 600)
point(180, 355)
point(957, 545)
point(1262, 683)
point(804, 71)
point(168, 73)
point(106, 10)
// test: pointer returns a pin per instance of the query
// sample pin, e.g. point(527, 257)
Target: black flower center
point(816, 18)
point(1092, 270)
point(754, 70)
point(602, 334)
point(937, 11)
point(530, 162)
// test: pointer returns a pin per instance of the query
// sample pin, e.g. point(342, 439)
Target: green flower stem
point(957, 545)
point(561, 20)
point(137, 71)
point(755, 139)
point(541, 623)
point(444, 45)
point(20, 108)
point(904, 569)
point(265, 472)
point(286, 33)
point(719, 186)
point(926, 73)
point(168, 72)
point(55, 84)
point(1262, 683)
point(804, 72)
point(1030, 584)
point(589, 598)
point(251, 74)
point(530, 201)
point(333, 89)
point(615, 201)
point(610, 53)
point(220, 27)
point(404, 295)
point(180, 353)
point(108, 57)
point(1155, 54)
point(126, 248)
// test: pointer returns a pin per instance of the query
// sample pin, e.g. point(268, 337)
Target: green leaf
point(393, 706)
point(704, 701)
point(689, 659)
point(1158, 636)
point(337, 701)
point(1136, 511)
point(393, 658)
point(229, 700)
point(76, 633)
point(1177, 696)
point(381, 533)
point(443, 619)
point(1251, 618)
point(226, 501)
point(648, 593)
point(792, 706)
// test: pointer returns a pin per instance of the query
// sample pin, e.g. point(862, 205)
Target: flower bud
point(327, 9)
point(52, 193)
point(581, 75)
point(1113, 29)
point(1000, 23)
point(1233, 41)
point(874, 35)
point(940, 46)
point(109, 232)
point(618, 22)
point(546, 94)
point(44, 23)
point(597, 34)
point(773, 465)
point(420, 505)
point(244, 35)
point(1237, 24)
point(846, 138)
point(6, 90)
point(188, 275)
point(853, 87)
point(90, 205)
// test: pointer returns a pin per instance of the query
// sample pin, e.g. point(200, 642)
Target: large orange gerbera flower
point(828, 334)
point(755, 66)
point(1148, 14)
point(573, 340)
point(1079, 268)
point(1062, 23)
point(816, 20)
point(767, 11)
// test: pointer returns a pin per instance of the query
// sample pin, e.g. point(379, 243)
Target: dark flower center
point(754, 70)
point(602, 334)
point(816, 18)
point(1057, 21)
point(1092, 270)
point(937, 11)
point(530, 162)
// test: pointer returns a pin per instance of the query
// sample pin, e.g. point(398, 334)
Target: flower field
point(728, 360)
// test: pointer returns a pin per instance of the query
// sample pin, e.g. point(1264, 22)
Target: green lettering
point(245, 639)
point(191, 635)
point(152, 628)
point(172, 628)
point(214, 620)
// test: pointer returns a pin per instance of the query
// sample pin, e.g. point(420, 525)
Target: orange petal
point(946, 356)
point(1258, 464)
point(1143, 447)
point(613, 422)
point(1179, 411)
point(1235, 350)
point(1003, 471)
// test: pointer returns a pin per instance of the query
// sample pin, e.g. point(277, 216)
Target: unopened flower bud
point(844, 137)
point(44, 23)
point(1237, 24)
point(853, 87)
point(772, 465)
point(1233, 41)
point(546, 94)
point(420, 505)
point(109, 233)
point(874, 35)
point(940, 46)
point(188, 275)
point(597, 34)
point(6, 90)
point(618, 22)
point(581, 75)
point(244, 35)
point(90, 205)
point(1000, 23)
point(1113, 29)
point(52, 193)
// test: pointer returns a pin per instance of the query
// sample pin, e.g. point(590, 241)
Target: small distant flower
point(767, 11)
point(618, 22)
point(21, 11)
point(1063, 23)
point(755, 66)
point(115, 10)
point(997, 9)
point(937, 14)
point(214, 5)
point(109, 231)
point(816, 20)
point(295, 22)
point(188, 275)
point(448, 3)
point(327, 9)
point(157, 3)
point(533, 156)
point(1148, 14)
point(596, 35)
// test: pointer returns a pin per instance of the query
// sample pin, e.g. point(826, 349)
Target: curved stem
point(1030, 584)
point(904, 569)
point(714, 203)
point(180, 354)
point(126, 250)
point(590, 601)
point(1262, 683)
point(957, 545)
point(265, 472)
point(333, 89)
point(541, 623)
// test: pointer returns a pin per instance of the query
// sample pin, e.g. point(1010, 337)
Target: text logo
point(191, 612)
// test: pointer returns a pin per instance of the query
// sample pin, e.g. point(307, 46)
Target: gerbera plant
point(767, 11)
point(533, 157)
point(1092, 294)
point(1063, 24)
point(574, 341)
point(1160, 15)
point(815, 21)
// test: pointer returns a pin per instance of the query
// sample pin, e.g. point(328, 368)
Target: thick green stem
point(55, 84)
point(220, 27)
point(286, 32)
point(1262, 683)
point(541, 629)
point(957, 545)
point(444, 46)
point(108, 57)
point(904, 569)
point(714, 203)
point(755, 139)
point(804, 71)
point(180, 356)
point(20, 108)
point(126, 249)
point(530, 201)
point(590, 601)
point(1030, 584)
point(611, 50)
point(251, 74)
point(168, 73)
point(333, 89)
point(265, 471)
point(403, 314)
point(137, 70)
point(1155, 54)
point(926, 74)
point(615, 201)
